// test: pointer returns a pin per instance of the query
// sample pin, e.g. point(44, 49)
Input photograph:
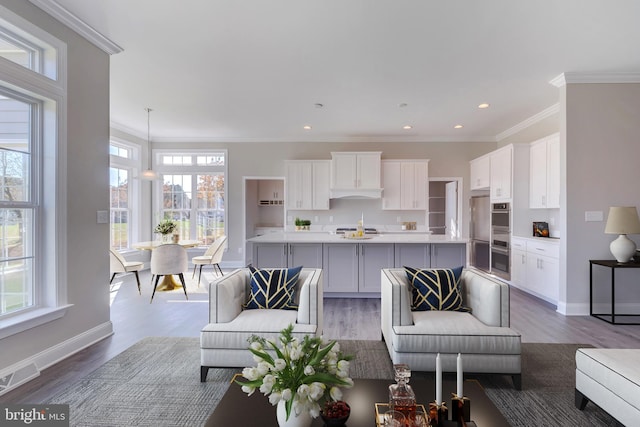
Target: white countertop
point(324, 237)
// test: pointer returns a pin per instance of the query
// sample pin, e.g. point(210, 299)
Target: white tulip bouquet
point(303, 374)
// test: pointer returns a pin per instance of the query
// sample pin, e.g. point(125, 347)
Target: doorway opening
point(445, 203)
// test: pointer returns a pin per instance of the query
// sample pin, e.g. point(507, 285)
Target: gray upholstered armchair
point(483, 335)
point(223, 341)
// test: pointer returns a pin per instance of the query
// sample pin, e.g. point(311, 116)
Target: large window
point(18, 119)
point(121, 199)
point(193, 193)
point(32, 138)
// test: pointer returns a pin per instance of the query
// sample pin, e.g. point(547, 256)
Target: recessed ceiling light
point(306, 127)
point(457, 127)
point(318, 105)
point(484, 105)
point(404, 104)
point(407, 127)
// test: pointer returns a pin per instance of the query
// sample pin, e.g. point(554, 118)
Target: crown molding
point(612, 77)
point(320, 139)
point(529, 122)
point(128, 130)
point(79, 26)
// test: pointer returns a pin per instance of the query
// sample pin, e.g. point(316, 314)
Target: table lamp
point(623, 220)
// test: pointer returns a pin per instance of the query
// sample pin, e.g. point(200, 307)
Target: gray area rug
point(156, 383)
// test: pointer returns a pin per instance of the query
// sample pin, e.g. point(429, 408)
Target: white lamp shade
point(622, 220)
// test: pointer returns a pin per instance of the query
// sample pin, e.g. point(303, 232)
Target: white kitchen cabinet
point(543, 269)
point(308, 184)
point(355, 170)
point(299, 185)
point(405, 184)
point(500, 174)
point(321, 171)
point(448, 255)
point(414, 185)
point(480, 171)
point(519, 262)
point(372, 259)
point(308, 255)
point(544, 170)
point(391, 184)
point(270, 192)
point(340, 267)
point(270, 255)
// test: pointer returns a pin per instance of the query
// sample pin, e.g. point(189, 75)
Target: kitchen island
point(351, 266)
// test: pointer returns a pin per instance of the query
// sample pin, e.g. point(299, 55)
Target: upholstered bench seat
point(610, 378)
point(266, 323)
point(454, 332)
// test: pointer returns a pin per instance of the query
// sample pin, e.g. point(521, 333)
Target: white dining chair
point(169, 259)
point(120, 265)
point(212, 256)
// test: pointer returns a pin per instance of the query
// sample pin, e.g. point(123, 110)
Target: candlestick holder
point(460, 409)
point(438, 414)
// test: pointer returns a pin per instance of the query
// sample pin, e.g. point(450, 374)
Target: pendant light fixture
point(149, 174)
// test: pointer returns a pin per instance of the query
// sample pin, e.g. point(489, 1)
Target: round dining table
point(168, 282)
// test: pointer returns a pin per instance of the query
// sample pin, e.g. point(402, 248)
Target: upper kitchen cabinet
point(321, 172)
point(405, 184)
point(544, 169)
point(308, 184)
point(500, 173)
point(480, 173)
point(270, 192)
point(299, 184)
point(355, 174)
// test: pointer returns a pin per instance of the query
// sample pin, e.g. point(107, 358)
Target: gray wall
point(600, 136)
point(87, 190)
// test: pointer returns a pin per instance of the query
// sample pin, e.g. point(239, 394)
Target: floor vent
point(18, 377)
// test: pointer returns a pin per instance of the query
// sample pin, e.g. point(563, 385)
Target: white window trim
point(133, 165)
point(52, 299)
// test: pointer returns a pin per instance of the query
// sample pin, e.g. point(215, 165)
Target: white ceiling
point(253, 70)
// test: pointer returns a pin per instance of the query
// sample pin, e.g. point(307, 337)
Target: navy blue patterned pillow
point(435, 289)
point(273, 288)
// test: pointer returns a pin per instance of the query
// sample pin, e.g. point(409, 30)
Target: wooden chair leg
point(154, 287)
point(184, 285)
point(138, 280)
point(112, 277)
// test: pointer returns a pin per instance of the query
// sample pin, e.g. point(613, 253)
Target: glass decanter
point(401, 395)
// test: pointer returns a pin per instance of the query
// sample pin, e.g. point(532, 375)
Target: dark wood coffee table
point(238, 409)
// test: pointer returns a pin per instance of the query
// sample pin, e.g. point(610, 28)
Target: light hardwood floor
point(171, 314)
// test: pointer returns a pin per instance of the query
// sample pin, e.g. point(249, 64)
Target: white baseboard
point(30, 368)
point(582, 309)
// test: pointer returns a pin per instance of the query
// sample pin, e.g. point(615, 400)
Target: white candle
point(438, 380)
point(459, 377)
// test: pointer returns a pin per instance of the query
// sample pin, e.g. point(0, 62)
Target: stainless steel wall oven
point(501, 240)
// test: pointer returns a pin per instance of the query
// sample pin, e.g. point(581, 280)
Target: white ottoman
point(610, 378)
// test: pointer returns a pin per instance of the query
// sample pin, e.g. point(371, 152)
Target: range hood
point(356, 193)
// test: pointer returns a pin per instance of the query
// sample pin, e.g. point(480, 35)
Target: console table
point(611, 317)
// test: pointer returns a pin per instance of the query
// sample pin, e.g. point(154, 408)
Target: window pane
point(15, 50)
point(213, 160)
point(16, 260)
point(119, 210)
point(210, 207)
point(176, 201)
